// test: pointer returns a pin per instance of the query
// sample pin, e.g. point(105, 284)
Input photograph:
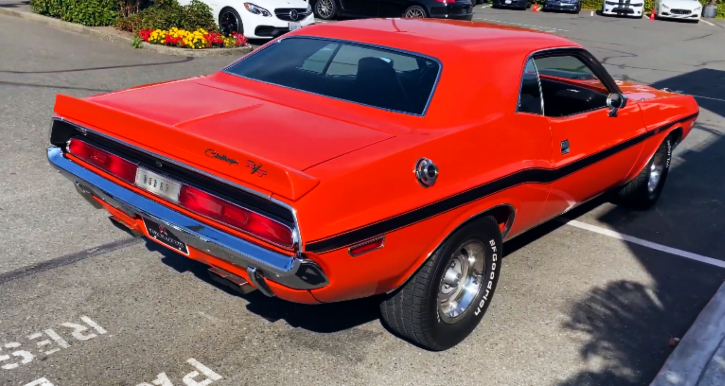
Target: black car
point(442, 9)
point(562, 5)
point(518, 4)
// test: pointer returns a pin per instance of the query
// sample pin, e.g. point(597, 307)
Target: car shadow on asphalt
point(322, 318)
point(629, 325)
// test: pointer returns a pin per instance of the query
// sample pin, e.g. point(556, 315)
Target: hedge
point(649, 5)
point(167, 14)
point(86, 12)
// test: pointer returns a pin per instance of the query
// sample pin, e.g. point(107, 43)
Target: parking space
point(83, 303)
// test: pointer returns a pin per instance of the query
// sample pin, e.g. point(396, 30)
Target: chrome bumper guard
point(260, 263)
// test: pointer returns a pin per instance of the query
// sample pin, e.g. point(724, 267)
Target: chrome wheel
point(414, 12)
point(461, 282)
point(656, 170)
point(325, 9)
point(228, 22)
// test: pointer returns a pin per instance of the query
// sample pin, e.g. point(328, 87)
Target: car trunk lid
point(243, 138)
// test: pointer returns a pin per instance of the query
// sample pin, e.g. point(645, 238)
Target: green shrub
point(86, 12)
point(166, 14)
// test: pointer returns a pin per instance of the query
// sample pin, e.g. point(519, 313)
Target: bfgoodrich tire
point(446, 299)
point(644, 190)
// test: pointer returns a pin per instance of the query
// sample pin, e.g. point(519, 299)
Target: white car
point(623, 8)
point(259, 19)
point(678, 9)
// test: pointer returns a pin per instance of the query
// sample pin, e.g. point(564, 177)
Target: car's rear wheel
point(446, 299)
point(325, 9)
point(415, 11)
point(230, 21)
point(644, 190)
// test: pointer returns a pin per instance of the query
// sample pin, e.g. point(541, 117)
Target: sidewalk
point(699, 359)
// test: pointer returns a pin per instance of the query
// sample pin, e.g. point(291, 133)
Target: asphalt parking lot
point(83, 303)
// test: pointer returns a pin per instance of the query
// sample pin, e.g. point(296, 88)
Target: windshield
point(374, 76)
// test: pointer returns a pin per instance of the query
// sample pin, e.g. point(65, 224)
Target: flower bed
point(198, 39)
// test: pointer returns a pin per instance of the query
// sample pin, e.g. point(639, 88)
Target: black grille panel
point(287, 13)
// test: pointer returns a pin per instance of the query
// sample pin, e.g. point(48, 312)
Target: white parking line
point(645, 243)
point(529, 26)
point(704, 97)
point(708, 23)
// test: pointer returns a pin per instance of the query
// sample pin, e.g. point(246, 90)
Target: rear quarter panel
point(384, 187)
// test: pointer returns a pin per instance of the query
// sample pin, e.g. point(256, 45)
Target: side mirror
point(615, 102)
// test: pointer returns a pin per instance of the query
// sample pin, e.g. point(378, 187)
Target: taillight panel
point(191, 198)
point(245, 220)
point(102, 159)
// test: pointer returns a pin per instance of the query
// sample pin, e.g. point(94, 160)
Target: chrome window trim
point(353, 43)
point(296, 234)
point(611, 88)
point(521, 87)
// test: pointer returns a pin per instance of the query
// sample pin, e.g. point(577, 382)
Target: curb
point(697, 358)
point(165, 50)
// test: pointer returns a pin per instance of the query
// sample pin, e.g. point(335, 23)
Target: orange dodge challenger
point(361, 158)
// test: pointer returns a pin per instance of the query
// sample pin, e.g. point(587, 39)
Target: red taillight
point(111, 163)
point(245, 220)
point(190, 198)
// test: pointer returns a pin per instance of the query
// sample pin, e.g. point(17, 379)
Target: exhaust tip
point(230, 280)
point(259, 281)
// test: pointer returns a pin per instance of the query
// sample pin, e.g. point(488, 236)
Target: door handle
point(565, 146)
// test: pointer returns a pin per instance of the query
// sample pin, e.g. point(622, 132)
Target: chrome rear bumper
point(260, 263)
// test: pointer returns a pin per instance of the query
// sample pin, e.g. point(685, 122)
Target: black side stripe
point(544, 176)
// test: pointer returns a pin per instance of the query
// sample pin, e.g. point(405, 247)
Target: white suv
point(259, 19)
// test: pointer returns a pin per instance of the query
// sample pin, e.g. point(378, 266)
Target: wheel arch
point(503, 213)
point(676, 134)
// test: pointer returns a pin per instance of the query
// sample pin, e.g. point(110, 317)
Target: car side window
point(568, 86)
point(530, 95)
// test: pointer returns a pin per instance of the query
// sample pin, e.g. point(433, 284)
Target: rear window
point(373, 76)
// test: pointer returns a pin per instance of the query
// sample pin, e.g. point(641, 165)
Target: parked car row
point(443, 9)
point(266, 19)
point(664, 9)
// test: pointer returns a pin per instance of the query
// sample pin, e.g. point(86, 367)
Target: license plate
point(157, 184)
point(162, 234)
point(294, 25)
point(508, 1)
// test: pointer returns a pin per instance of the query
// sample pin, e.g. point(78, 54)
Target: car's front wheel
point(644, 190)
point(230, 21)
point(415, 11)
point(325, 9)
point(446, 299)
